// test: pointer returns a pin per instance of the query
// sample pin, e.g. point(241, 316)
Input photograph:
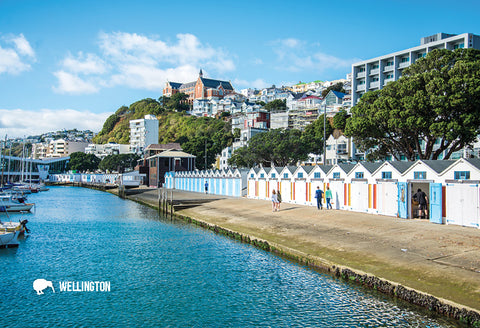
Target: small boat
point(9, 239)
point(11, 226)
point(11, 203)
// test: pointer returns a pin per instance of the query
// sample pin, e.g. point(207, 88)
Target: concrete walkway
point(440, 260)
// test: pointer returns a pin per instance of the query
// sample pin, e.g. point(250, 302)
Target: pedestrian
point(274, 201)
point(421, 198)
point(318, 196)
point(206, 187)
point(328, 197)
point(279, 198)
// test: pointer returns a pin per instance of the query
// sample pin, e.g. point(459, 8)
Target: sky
point(71, 64)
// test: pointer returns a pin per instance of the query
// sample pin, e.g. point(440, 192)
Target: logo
point(72, 286)
point(40, 284)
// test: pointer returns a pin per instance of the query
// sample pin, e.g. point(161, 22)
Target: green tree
point(313, 134)
point(340, 120)
point(82, 162)
point(279, 147)
point(119, 162)
point(435, 103)
point(336, 87)
point(277, 104)
point(177, 102)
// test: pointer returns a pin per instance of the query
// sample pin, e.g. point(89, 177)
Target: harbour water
point(168, 274)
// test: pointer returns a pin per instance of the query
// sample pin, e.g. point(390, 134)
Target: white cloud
point(17, 59)
point(71, 83)
point(256, 84)
point(141, 62)
point(85, 64)
point(23, 46)
point(296, 55)
point(20, 122)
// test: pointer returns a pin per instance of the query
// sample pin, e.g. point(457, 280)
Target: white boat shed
point(452, 187)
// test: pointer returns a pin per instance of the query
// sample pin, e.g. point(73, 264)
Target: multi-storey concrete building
point(374, 74)
point(143, 132)
point(102, 151)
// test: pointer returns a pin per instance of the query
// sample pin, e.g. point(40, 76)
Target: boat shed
point(169, 160)
point(361, 186)
point(461, 193)
point(337, 183)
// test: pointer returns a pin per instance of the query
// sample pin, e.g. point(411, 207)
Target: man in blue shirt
point(319, 196)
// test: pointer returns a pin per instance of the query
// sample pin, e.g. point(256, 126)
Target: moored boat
point(10, 203)
point(9, 239)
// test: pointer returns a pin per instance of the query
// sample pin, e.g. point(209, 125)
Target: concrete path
point(441, 260)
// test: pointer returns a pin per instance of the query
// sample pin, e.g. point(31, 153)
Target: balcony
point(387, 80)
point(374, 84)
point(360, 75)
point(360, 87)
point(388, 68)
point(404, 64)
point(374, 71)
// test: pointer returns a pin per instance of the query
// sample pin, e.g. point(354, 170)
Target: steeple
point(200, 74)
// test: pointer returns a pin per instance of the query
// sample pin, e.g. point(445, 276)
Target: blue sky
point(70, 64)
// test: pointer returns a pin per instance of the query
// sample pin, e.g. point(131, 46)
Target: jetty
point(434, 266)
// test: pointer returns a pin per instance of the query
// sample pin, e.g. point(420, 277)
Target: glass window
point(461, 175)
point(262, 175)
point(300, 175)
point(273, 175)
point(358, 175)
point(316, 175)
point(285, 175)
point(251, 175)
point(387, 175)
point(420, 175)
point(336, 175)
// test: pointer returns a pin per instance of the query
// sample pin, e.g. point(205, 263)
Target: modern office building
point(143, 132)
point(374, 74)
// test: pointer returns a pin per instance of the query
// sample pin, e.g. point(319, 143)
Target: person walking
point(274, 201)
point(318, 196)
point(328, 197)
point(279, 198)
point(206, 187)
point(421, 198)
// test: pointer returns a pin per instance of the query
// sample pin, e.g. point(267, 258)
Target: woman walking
point(274, 201)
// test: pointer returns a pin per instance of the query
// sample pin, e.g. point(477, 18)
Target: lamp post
point(324, 132)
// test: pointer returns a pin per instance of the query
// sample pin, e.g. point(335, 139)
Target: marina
point(166, 273)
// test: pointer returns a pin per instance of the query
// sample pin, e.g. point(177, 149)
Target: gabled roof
point(173, 153)
point(371, 167)
point(401, 166)
point(325, 168)
point(169, 146)
point(175, 85)
point(438, 165)
point(308, 168)
point(339, 94)
point(298, 95)
point(210, 83)
point(346, 167)
point(256, 170)
point(474, 161)
point(188, 85)
point(291, 168)
point(267, 170)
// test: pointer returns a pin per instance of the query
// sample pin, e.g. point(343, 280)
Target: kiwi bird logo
point(40, 284)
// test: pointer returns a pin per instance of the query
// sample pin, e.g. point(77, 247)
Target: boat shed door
point(436, 203)
point(402, 200)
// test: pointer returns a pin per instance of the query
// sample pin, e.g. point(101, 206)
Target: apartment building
point(374, 74)
point(143, 132)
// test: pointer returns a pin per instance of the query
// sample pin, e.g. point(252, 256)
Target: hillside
point(193, 133)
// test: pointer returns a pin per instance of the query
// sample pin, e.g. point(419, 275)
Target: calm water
point(168, 274)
